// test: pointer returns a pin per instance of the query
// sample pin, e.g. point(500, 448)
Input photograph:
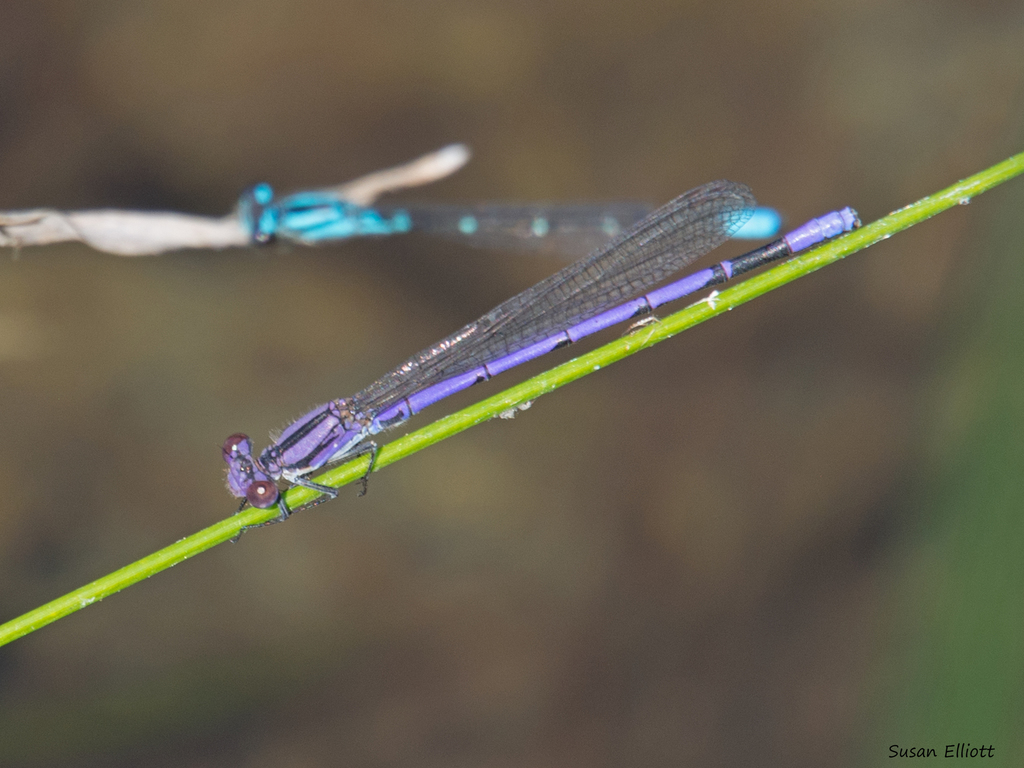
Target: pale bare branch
point(144, 233)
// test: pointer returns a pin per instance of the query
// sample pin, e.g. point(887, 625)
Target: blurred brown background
point(788, 537)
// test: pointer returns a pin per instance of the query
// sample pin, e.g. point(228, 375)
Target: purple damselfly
point(609, 286)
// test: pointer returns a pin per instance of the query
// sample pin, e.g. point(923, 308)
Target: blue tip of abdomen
point(763, 224)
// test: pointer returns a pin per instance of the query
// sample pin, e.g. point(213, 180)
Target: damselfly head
point(246, 477)
point(257, 214)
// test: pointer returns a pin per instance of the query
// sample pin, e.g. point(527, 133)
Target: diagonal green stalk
point(647, 336)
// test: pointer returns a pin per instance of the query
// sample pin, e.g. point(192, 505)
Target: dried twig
point(143, 233)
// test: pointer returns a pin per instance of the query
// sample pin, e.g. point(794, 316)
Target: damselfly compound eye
point(263, 193)
point(237, 443)
point(262, 494)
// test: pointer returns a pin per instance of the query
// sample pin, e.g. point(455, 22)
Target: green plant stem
point(530, 390)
